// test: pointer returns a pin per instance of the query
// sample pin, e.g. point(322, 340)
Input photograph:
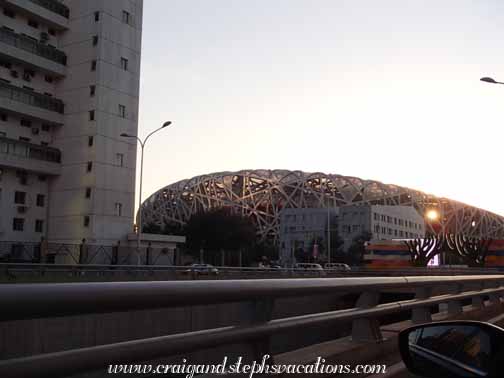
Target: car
point(310, 267)
point(453, 349)
point(203, 269)
point(337, 267)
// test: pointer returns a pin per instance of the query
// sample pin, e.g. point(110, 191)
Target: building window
point(91, 115)
point(9, 13)
point(39, 225)
point(93, 65)
point(401, 233)
point(376, 216)
point(97, 16)
point(122, 111)
point(20, 198)
point(90, 141)
point(118, 209)
point(86, 221)
point(125, 17)
point(120, 159)
point(18, 224)
point(40, 200)
point(48, 78)
point(395, 220)
point(395, 232)
point(92, 90)
point(45, 127)
point(124, 64)
point(51, 31)
point(88, 192)
point(25, 122)
point(33, 24)
point(89, 166)
point(42, 178)
point(44, 144)
point(95, 40)
point(3, 117)
point(390, 231)
point(24, 139)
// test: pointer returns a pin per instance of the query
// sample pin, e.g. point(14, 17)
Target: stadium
point(262, 194)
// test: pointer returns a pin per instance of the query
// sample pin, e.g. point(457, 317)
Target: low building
point(299, 228)
point(383, 222)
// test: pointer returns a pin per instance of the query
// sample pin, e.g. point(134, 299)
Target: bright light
point(432, 215)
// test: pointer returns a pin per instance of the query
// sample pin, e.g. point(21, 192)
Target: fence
point(56, 300)
point(83, 254)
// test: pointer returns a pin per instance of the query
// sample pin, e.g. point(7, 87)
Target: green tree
point(357, 248)
point(218, 230)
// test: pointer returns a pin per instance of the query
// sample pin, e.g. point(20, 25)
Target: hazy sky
point(386, 90)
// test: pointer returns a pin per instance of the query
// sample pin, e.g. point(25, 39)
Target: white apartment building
point(300, 227)
point(383, 222)
point(69, 86)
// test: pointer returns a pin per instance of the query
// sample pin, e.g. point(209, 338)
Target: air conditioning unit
point(35, 131)
point(14, 73)
point(22, 209)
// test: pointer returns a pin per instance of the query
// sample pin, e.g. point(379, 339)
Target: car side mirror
point(453, 349)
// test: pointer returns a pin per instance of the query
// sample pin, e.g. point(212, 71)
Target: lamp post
point(142, 145)
point(490, 80)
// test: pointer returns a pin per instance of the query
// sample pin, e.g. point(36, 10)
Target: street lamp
point(142, 145)
point(490, 80)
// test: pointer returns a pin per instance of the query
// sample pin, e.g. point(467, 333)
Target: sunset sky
point(386, 90)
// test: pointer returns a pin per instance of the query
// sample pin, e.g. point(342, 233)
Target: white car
point(337, 267)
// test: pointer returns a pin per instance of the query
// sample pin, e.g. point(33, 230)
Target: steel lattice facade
point(262, 194)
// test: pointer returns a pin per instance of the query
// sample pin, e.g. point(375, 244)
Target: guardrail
point(55, 300)
point(224, 272)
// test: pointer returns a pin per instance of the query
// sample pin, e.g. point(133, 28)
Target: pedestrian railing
point(29, 97)
point(33, 46)
point(32, 301)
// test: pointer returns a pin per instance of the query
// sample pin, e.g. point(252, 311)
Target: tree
point(472, 250)
point(218, 230)
point(357, 249)
point(423, 250)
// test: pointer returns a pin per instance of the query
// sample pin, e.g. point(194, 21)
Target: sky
point(386, 90)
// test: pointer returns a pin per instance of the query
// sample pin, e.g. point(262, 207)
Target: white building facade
point(69, 86)
point(383, 222)
point(299, 228)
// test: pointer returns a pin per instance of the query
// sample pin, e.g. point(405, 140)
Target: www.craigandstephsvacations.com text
point(239, 367)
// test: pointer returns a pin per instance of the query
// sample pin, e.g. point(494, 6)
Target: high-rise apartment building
point(69, 86)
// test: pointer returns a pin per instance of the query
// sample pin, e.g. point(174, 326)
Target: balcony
point(54, 6)
point(52, 12)
point(32, 46)
point(30, 157)
point(40, 107)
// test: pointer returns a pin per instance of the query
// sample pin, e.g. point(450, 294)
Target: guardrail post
point(455, 307)
point(493, 298)
point(254, 312)
point(477, 301)
point(422, 314)
point(366, 329)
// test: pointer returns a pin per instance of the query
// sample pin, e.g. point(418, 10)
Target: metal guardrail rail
point(32, 46)
point(31, 301)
